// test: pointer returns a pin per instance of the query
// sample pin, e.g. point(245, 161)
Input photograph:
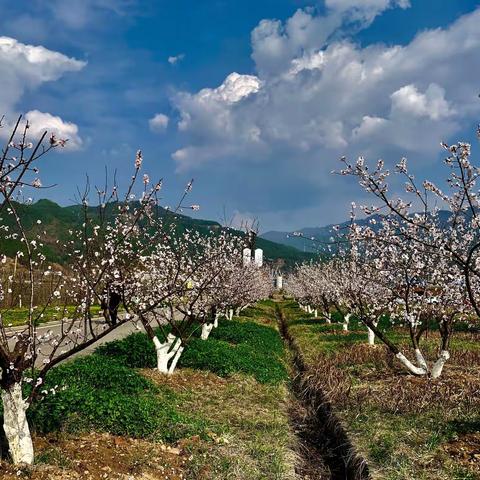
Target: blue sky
point(254, 99)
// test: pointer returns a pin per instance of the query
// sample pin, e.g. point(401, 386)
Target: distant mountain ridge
point(56, 221)
point(321, 235)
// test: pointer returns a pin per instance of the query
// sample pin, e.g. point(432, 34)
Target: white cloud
point(233, 89)
point(369, 126)
point(29, 66)
point(371, 6)
point(317, 98)
point(173, 60)
point(26, 67)
point(40, 122)
point(213, 110)
point(276, 45)
point(159, 122)
point(430, 104)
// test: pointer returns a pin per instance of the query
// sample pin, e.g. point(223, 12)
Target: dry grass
point(250, 437)
point(408, 428)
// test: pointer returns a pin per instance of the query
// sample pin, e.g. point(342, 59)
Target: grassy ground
point(407, 428)
point(18, 316)
point(226, 419)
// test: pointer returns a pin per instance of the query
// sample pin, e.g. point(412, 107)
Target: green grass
point(228, 408)
point(236, 346)
point(19, 316)
point(98, 393)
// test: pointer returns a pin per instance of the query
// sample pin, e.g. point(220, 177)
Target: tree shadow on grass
point(463, 427)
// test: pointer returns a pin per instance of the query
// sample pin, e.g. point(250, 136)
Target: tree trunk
point(421, 359)
point(168, 351)
point(15, 425)
point(215, 322)
point(410, 366)
point(206, 329)
point(371, 333)
point(438, 365)
point(371, 336)
point(346, 321)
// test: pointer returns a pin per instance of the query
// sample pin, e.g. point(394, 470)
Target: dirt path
point(325, 449)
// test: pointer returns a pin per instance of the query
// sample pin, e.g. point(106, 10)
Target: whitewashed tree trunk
point(371, 334)
point(315, 313)
point(328, 317)
point(421, 359)
point(206, 329)
point(346, 321)
point(439, 364)
point(15, 425)
point(176, 358)
point(168, 351)
point(215, 322)
point(423, 369)
point(410, 366)
point(237, 312)
point(230, 314)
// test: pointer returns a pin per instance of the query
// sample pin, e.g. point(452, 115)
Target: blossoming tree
point(29, 351)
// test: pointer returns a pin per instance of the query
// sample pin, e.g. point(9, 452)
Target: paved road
point(55, 328)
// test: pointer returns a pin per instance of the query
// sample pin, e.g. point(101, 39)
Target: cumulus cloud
point(431, 104)
point(364, 10)
point(159, 123)
point(276, 45)
point(26, 67)
point(315, 96)
point(40, 122)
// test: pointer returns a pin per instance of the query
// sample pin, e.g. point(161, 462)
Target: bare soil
point(99, 456)
point(466, 451)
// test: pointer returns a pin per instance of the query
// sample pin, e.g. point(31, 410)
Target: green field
point(19, 316)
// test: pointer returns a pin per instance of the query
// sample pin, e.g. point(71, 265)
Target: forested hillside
point(53, 222)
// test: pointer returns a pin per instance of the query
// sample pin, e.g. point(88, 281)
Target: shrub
point(262, 337)
point(135, 351)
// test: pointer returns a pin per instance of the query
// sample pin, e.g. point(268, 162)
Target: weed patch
point(99, 393)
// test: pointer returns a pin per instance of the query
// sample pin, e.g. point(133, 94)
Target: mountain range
point(316, 239)
point(53, 222)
